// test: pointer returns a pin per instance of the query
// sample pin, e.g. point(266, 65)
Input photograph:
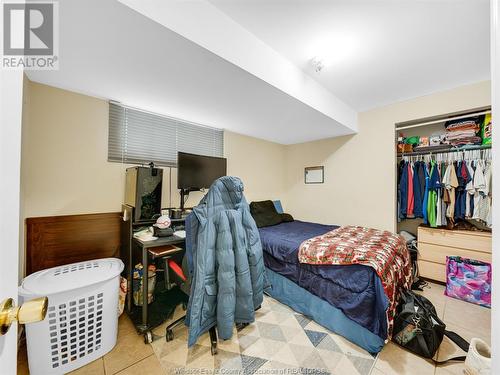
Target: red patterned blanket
point(384, 251)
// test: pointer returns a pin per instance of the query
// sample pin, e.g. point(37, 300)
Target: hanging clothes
point(421, 179)
point(489, 172)
point(462, 177)
point(417, 191)
point(458, 190)
point(426, 195)
point(485, 201)
point(403, 189)
point(473, 190)
point(451, 183)
point(400, 171)
point(480, 188)
point(439, 205)
point(411, 197)
point(434, 186)
point(446, 192)
point(469, 188)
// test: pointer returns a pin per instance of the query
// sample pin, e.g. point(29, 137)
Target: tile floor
point(280, 341)
point(132, 356)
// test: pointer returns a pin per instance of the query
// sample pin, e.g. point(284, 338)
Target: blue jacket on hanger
point(403, 189)
point(426, 193)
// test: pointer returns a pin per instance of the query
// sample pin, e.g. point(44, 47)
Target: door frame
point(11, 104)
point(495, 104)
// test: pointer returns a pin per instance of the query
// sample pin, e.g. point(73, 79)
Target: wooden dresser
point(435, 244)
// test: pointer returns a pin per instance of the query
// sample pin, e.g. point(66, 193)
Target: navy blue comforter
point(354, 289)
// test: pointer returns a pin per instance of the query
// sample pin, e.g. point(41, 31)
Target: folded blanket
point(466, 141)
point(470, 121)
point(384, 251)
point(461, 134)
point(463, 126)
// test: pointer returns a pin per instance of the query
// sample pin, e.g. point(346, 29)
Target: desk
point(133, 251)
point(144, 327)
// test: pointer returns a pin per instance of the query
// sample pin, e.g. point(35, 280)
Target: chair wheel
point(213, 350)
point(170, 335)
point(240, 326)
point(148, 337)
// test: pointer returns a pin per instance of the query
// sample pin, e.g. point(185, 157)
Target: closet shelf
point(443, 151)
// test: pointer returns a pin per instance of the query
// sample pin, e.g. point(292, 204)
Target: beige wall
point(64, 158)
point(360, 176)
point(260, 164)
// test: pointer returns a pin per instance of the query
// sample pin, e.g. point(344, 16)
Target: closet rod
point(444, 119)
point(443, 151)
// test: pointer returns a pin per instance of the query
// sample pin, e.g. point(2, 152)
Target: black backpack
point(412, 245)
point(418, 329)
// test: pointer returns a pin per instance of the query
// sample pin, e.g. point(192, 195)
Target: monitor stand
point(184, 194)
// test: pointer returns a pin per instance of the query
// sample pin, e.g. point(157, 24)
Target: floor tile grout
point(133, 364)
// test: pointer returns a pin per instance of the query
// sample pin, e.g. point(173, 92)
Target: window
point(139, 137)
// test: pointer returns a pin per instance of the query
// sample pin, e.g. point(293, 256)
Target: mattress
point(356, 290)
point(322, 312)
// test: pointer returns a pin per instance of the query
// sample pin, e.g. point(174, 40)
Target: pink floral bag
point(468, 280)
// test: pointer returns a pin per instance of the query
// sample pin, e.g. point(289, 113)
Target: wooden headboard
point(57, 240)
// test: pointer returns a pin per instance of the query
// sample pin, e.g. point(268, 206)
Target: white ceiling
point(110, 51)
point(380, 51)
point(244, 65)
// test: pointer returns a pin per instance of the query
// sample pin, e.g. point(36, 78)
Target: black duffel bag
point(418, 329)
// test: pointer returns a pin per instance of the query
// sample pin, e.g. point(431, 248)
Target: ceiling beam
point(202, 23)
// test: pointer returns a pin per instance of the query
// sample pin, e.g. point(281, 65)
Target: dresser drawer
point(477, 241)
point(437, 254)
point(432, 270)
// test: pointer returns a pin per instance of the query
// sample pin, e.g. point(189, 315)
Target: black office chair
point(182, 279)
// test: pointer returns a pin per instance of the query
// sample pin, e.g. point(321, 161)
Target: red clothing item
point(411, 198)
point(464, 172)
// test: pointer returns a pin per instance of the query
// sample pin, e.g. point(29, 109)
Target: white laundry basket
point(82, 317)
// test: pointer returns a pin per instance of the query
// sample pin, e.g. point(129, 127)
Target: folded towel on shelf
point(463, 126)
point(460, 134)
point(466, 141)
point(469, 121)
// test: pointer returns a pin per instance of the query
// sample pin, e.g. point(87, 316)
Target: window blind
point(138, 137)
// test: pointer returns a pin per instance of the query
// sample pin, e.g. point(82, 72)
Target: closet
point(444, 187)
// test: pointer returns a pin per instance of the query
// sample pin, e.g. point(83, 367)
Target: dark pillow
point(264, 213)
point(286, 218)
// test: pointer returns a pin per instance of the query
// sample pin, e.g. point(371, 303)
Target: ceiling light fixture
point(317, 64)
point(331, 50)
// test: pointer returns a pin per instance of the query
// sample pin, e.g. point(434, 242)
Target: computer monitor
point(196, 172)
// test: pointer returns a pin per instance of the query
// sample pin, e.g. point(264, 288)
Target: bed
point(347, 299)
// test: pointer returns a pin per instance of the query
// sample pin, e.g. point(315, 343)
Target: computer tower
point(143, 192)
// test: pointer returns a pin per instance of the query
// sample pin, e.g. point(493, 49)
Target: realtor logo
point(30, 35)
